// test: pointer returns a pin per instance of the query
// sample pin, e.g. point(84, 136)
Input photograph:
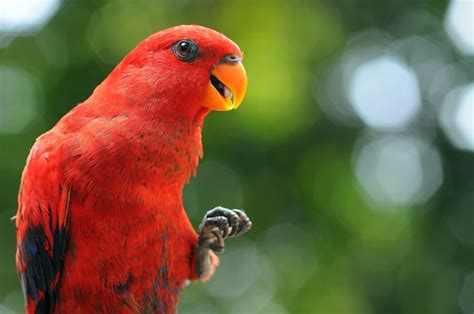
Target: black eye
point(186, 50)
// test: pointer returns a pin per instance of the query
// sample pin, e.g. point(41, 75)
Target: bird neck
point(158, 153)
point(176, 149)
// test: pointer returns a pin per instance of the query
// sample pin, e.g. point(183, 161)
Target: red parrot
point(101, 226)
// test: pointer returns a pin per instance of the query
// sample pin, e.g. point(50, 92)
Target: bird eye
point(186, 50)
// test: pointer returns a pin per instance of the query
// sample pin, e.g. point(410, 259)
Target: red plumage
point(101, 225)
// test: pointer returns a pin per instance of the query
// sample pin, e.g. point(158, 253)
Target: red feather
point(101, 223)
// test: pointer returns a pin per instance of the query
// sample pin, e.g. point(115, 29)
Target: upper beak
point(227, 87)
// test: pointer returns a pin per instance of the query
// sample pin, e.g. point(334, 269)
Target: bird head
point(184, 69)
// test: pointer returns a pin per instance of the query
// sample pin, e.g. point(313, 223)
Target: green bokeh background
point(319, 244)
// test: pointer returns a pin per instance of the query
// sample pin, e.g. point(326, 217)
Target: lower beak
point(227, 87)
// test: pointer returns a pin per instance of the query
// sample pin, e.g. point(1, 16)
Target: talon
point(225, 231)
point(220, 223)
point(244, 223)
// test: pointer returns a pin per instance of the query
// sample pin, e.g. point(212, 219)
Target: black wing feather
point(43, 259)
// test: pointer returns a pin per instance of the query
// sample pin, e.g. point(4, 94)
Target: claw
point(218, 224)
point(244, 224)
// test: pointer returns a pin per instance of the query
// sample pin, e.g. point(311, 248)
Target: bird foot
point(221, 223)
point(217, 225)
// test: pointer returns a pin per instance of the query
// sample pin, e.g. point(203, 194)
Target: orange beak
point(227, 87)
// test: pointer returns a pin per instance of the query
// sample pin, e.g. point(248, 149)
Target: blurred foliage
point(319, 243)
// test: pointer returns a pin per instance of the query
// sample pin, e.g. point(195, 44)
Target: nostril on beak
point(231, 59)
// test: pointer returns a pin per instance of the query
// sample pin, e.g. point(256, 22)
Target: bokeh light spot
point(18, 16)
point(24, 17)
point(398, 170)
point(385, 93)
point(18, 99)
point(459, 24)
point(426, 56)
point(457, 117)
point(465, 116)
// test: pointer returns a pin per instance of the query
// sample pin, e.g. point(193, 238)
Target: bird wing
point(42, 229)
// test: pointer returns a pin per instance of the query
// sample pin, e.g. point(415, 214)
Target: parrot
point(101, 225)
